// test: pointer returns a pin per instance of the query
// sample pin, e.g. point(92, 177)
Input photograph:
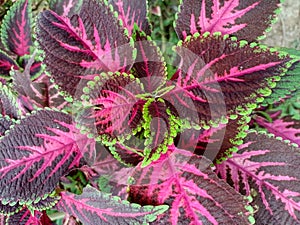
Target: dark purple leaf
point(66, 7)
point(112, 106)
point(94, 207)
point(248, 20)
point(267, 169)
point(220, 77)
point(37, 152)
point(6, 64)
point(81, 47)
point(132, 11)
point(286, 128)
point(16, 28)
point(149, 64)
point(192, 190)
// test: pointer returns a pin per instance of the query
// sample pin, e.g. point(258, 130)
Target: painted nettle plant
point(98, 126)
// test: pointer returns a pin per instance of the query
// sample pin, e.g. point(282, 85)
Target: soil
point(286, 32)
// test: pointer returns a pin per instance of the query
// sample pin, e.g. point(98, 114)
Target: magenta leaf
point(131, 12)
point(192, 190)
point(286, 128)
point(79, 48)
point(6, 64)
point(267, 169)
point(66, 7)
point(94, 207)
point(16, 28)
point(37, 152)
point(248, 20)
point(149, 64)
point(220, 77)
point(112, 106)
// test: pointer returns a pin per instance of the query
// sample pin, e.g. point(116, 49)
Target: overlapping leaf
point(268, 169)
point(220, 77)
point(248, 20)
point(131, 12)
point(111, 105)
point(94, 207)
point(215, 143)
point(66, 7)
point(16, 28)
point(149, 64)
point(288, 86)
point(161, 127)
point(79, 47)
point(188, 185)
point(8, 103)
point(6, 64)
point(23, 217)
point(286, 128)
point(36, 152)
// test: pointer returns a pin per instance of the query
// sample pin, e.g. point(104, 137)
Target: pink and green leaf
point(65, 8)
point(23, 217)
point(194, 193)
point(95, 207)
point(6, 64)
point(9, 105)
point(267, 169)
point(149, 64)
point(215, 143)
point(132, 12)
point(16, 28)
point(288, 86)
point(111, 106)
point(160, 128)
point(286, 128)
point(49, 147)
point(221, 77)
point(78, 48)
point(247, 20)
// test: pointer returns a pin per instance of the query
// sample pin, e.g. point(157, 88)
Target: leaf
point(288, 86)
point(131, 12)
point(247, 20)
point(36, 153)
point(215, 143)
point(286, 128)
point(268, 169)
point(80, 47)
point(161, 127)
point(95, 207)
point(9, 105)
point(112, 106)
point(16, 28)
point(5, 124)
point(23, 217)
point(6, 64)
point(149, 64)
point(66, 7)
point(221, 77)
point(192, 190)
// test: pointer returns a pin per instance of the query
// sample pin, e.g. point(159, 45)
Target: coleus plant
point(153, 147)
